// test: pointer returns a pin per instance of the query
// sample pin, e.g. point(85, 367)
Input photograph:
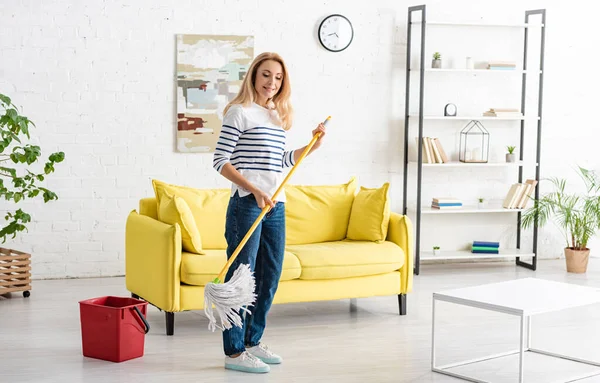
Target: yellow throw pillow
point(370, 214)
point(208, 206)
point(318, 213)
point(173, 209)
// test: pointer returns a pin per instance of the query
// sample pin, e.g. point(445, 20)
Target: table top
point(524, 297)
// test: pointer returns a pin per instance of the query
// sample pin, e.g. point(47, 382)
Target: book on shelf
point(433, 151)
point(519, 194)
point(446, 203)
point(502, 65)
point(485, 247)
point(474, 251)
point(503, 112)
point(486, 243)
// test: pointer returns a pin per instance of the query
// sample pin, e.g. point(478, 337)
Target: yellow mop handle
point(267, 207)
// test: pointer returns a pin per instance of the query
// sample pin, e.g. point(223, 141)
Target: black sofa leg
point(170, 317)
point(135, 296)
point(402, 303)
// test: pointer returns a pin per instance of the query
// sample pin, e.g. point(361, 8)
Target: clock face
point(335, 33)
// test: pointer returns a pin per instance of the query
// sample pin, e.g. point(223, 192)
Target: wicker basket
point(15, 271)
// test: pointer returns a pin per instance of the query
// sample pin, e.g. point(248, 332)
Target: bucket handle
point(146, 324)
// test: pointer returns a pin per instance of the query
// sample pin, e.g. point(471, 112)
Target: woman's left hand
point(320, 128)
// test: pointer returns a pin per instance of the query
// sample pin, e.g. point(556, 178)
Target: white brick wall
point(98, 80)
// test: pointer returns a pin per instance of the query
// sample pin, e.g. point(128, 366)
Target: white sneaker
point(263, 353)
point(247, 363)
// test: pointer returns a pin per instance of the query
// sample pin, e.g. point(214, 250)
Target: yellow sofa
point(341, 243)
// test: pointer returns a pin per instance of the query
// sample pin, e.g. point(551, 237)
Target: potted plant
point(480, 202)
point(436, 250)
point(437, 60)
point(18, 178)
point(511, 156)
point(577, 215)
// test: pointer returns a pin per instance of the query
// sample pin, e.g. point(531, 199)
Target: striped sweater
point(255, 146)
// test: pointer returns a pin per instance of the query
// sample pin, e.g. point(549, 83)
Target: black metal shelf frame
point(423, 24)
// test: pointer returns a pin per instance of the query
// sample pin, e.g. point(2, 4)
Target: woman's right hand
point(262, 199)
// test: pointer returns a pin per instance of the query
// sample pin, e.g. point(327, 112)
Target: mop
point(238, 293)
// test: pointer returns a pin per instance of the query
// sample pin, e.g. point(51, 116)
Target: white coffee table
point(521, 297)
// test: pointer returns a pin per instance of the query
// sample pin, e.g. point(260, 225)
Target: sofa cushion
point(198, 269)
point(347, 259)
point(318, 213)
point(208, 207)
point(173, 209)
point(370, 214)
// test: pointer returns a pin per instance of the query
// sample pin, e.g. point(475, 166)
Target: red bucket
point(113, 328)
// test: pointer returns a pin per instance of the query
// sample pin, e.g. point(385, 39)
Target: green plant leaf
point(5, 100)
point(57, 157)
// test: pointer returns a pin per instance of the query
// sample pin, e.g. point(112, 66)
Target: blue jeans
point(264, 253)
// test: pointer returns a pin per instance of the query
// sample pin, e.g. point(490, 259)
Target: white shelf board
point(468, 209)
point(461, 70)
point(479, 24)
point(470, 164)
point(466, 254)
point(482, 118)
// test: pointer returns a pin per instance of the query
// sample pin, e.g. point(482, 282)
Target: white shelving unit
point(467, 255)
point(473, 24)
point(482, 118)
point(478, 71)
point(471, 165)
point(495, 208)
point(417, 208)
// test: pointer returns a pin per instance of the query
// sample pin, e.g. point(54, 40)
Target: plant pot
point(511, 157)
point(436, 251)
point(577, 260)
point(15, 271)
point(481, 205)
point(437, 64)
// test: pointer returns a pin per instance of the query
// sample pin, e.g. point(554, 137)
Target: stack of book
point(433, 152)
point(446, 203)
point(519, 194)
point(502, 65)
point(482, 247)
point(503, 112)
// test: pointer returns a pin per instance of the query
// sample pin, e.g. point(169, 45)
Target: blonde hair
point(247, 93)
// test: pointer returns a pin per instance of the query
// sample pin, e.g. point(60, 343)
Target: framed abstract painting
point(210, 70)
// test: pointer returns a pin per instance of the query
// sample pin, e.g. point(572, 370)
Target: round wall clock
point(335, 33)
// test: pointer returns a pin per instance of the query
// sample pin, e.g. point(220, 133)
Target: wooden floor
point(40, 338)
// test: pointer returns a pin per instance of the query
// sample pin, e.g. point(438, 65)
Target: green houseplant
point(577, 215)
point(511, 156)
point(437, 60)
point(18, 179)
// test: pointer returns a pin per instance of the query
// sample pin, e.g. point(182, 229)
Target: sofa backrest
point(313, 213)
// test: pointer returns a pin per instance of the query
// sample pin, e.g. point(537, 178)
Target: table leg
point(433, 335)
point(528, 332)
point(524, 321)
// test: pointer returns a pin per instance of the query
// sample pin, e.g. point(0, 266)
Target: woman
point(251, 153)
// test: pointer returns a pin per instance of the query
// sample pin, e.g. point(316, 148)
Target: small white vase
point(470, 64)
point(481, 205)
point(436, 251)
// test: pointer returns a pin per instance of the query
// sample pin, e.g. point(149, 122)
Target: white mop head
point(229, 298)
